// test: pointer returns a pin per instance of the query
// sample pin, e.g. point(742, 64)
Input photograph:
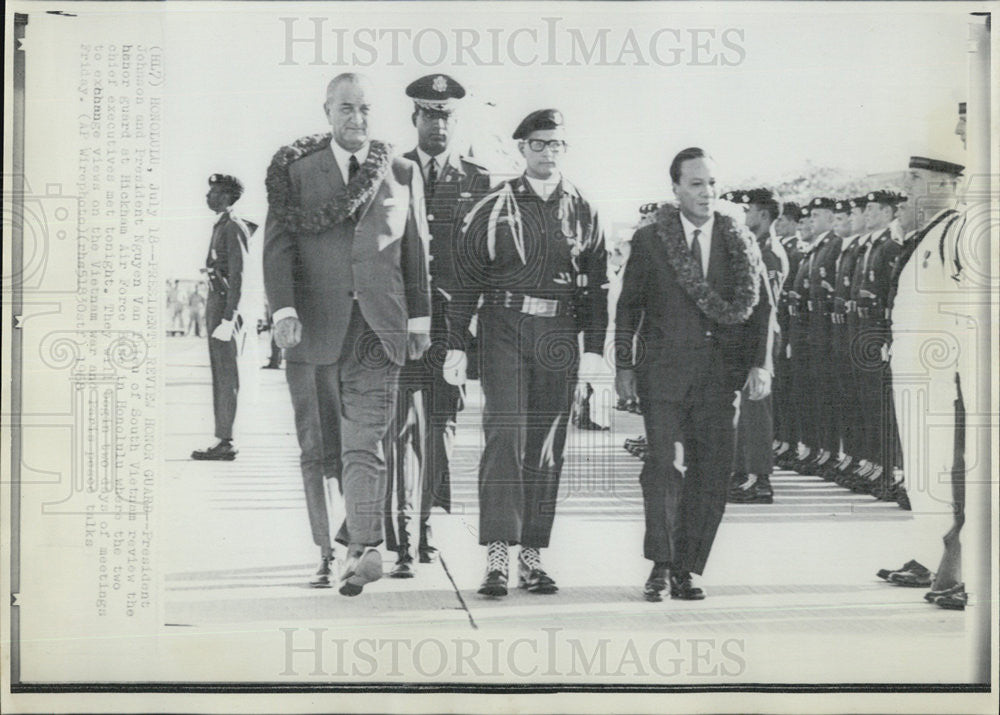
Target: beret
point(538, 120)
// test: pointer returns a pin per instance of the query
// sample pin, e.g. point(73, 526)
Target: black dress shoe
point(221, 452)
point(909, 565)
point(914, 577)
point(359, 571)
point(323, 577)
point(495, 584)
point(656, 584)
point(535, 580)
point(953, 599)
point(403, 567)
point(682, 588)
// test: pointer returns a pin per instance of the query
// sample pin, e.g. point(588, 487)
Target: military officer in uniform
point(755, 428)
point(534, 251)
point(872, 350)
point(822, 266)
point(224, 268)
point(801, 349)
point(930, 273)
point(419, 441)
point(786, 227)
point(848, 401)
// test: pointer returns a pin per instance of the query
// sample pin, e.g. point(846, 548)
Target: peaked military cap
point(437, 92)
point(539, 120)
point(229, 184)
point(804, 212)
point(884, 196)
point(842, 206)
point(945, 167)
point(822, 202)
point(859, 202)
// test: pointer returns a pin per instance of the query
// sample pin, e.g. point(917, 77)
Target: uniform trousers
point(419, 442)
point(528, 366)
point(845, 402)
point(823, 371)
point(803, 390)
point(341, 413)
point(685, 477)
point(876, 398)
point(783, 396)
point(754, 434)
point(225, 372)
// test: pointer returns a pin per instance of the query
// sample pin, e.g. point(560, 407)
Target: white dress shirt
point(544, 187)
point(425, 162)
point(343, 159)
point(704, 239)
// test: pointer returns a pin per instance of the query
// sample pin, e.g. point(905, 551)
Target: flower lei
point(744, 258)
point(284, 203)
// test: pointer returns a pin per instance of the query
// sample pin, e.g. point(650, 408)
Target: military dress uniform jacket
point(224, 264)
point(842, 288)
point(821, 287)
point(876, 282)
point(461, 184)
point(376, 258)
point(515, 246)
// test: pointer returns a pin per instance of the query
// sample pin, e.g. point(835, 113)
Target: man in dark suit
point(696, 278)
point(224, 268)
point(420, 439)
point(345, 273)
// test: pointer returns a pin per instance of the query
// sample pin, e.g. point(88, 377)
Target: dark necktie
point(432, 176)
point(352, 168)
point(696, 251)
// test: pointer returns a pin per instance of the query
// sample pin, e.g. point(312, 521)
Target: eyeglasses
point(540, 145)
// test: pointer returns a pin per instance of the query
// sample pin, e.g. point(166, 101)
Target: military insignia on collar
point(440, 84)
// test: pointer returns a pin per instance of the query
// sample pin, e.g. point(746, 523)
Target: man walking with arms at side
point(345, 273)
point(698, 277)
point(420, 440)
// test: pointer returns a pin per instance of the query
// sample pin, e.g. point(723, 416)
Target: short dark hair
point(692, 152)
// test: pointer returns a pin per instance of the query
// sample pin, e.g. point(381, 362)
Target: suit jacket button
point(430, 217)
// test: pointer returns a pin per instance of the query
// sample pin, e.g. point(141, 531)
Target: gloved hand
point(596, 372)
point(455, 367)
point(224, 331)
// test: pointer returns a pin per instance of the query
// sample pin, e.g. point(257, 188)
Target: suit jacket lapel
point(328, 165)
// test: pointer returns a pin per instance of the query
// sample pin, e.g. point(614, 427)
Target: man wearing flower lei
point(345, 273)
point(533, 250)
point(697, 280)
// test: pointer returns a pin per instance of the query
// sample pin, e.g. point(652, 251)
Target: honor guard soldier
point(874, 333)
point(929, 274)
point(840, 338)
point(224, 268)
point(419, 442)
point(755, 430)
point(786, 228)
point(822, 266)
point(801, 353)
point(533, 249)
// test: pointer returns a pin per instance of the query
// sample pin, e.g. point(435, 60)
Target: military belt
point(528, 304)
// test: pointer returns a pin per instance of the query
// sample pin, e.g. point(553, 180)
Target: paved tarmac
point(794, 581)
